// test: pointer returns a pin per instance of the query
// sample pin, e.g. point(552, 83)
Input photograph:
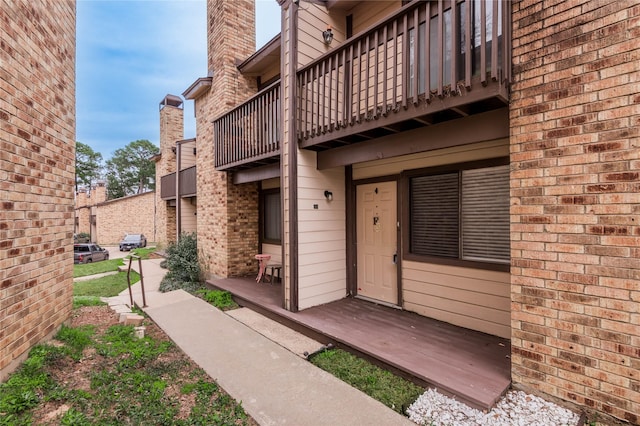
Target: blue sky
point(131, 53)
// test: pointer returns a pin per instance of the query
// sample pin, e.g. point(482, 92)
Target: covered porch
point(472, 366)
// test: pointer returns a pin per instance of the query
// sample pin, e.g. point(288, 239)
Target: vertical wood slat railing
point(249, 132)
point(427, 49)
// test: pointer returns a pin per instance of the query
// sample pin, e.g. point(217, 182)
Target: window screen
point(485, 214)
point(462, 214)
point(434, 215)
point(272, 217)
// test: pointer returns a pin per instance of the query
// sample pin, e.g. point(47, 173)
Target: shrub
point(168, 284)
point(183, 265)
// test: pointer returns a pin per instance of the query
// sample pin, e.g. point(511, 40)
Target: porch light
point(327, 36)
point(328, 195)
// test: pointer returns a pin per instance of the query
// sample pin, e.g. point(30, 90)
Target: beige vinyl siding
point(275, 250)
point(321, 233)
point(313, 20)
point(459, 154)
point(271, 183)
point(367, 13)
point(187, 157)
point(189, 218)
point(470, 298)
point(271, 72)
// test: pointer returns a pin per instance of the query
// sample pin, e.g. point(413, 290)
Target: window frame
point(263, 196)
point(406, 215)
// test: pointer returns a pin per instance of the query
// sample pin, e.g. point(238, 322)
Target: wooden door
point(376, 228)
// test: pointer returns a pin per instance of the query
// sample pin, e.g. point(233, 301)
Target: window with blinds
point(461, 214)
point(434, 215)
point(485, 214)
point(271, 217)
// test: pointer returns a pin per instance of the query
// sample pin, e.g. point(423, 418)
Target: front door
point(376, 228)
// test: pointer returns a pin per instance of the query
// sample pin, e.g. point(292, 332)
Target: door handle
point(395, 258)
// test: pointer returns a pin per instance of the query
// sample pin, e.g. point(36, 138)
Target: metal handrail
point(131, 257)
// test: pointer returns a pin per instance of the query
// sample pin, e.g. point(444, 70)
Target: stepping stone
point(131, 319)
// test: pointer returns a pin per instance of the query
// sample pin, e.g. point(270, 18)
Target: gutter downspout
point(178, 198)
point(293, 157)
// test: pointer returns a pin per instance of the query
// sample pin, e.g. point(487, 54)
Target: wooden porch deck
point(472, 366)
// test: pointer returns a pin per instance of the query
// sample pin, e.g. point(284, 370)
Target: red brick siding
point(576, 202)
point(227, 214)
point(127, 215)
point(37, 169)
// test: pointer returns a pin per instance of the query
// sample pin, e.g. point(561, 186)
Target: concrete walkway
point(275, 385)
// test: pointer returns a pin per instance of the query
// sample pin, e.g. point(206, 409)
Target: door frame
point(352, 255)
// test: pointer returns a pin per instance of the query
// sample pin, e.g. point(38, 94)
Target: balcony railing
point(429, 62)
point(249, 135)
point(187, 184)
point(168, 186)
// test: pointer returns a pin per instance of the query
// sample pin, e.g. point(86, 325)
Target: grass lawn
point(144, 253)
point(83, 270)
point(108, 286)
point(382, 385)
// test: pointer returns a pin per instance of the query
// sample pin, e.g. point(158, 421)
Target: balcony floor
point(471, 366)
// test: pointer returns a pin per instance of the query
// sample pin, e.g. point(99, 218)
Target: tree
point(88, 165)
point(131, 170)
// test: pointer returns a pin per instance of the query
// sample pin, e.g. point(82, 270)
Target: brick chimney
point(171, 131)
point(81, 197)
point(99, 193)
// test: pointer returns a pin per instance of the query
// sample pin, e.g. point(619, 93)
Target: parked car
point(132, 241)
point(87, 253)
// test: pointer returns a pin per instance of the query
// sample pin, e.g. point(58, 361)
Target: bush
point(168, 284)
point(82, 237)
point(183, 265)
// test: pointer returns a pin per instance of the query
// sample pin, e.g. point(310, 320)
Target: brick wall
point(128, 215)
point(227, 214)
point(37, 155)
point(575, 185)
point(84, 205)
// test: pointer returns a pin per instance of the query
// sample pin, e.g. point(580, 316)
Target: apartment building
point(471, 162)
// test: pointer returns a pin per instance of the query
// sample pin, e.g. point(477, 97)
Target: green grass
point(83, 270)
point(108, 286)
point(220, 299)
point(382, 385)
point(79, 301)
point(144, 253)
point(129, 383)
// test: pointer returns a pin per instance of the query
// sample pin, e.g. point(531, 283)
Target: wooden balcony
point(249, 135)
point(168, 186)
point(430, 62)
point(187, 184)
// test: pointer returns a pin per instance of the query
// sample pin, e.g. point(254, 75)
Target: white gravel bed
point(516, 408)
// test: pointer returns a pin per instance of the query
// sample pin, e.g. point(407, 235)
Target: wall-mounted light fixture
point(327, 36)
point(328, 195)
